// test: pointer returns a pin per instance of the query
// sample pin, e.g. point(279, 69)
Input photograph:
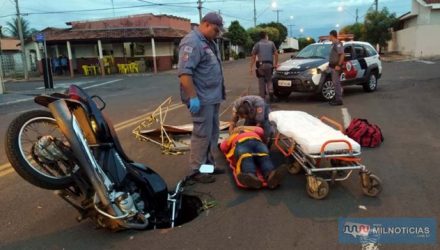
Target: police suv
point(308, 71)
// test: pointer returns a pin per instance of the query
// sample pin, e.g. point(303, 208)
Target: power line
point(223, 14)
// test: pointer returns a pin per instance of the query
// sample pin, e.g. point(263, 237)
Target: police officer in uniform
point(336, 60)
point(267, 55)
point(202, 89)
point(255, 112)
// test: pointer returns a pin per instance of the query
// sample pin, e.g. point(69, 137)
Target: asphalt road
point(406, 107)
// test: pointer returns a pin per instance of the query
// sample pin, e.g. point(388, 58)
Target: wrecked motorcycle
point(73, 148)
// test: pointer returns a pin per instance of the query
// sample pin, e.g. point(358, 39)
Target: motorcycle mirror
point(206, 169)
point(99, 102)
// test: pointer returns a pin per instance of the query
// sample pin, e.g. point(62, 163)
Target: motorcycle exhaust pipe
point(71, 130)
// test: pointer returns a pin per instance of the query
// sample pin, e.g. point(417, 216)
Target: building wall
point(405, 41)
point(435, 17)
point(162, 49)
point(85, 50)
point(428, 37)
point(413, 41)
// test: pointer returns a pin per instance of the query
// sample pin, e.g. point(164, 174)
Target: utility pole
point(376, 2)
point(20, 34)
point(357, 15)
point(290, 29)
point(255, 15)
point(278, 14)
point(113, 7)
point(199, 3)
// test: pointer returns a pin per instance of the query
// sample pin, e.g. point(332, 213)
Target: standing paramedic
point(336, 59)
point(202, 90)
point(267, 55)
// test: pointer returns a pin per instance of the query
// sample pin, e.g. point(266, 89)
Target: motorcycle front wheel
point(23, 136)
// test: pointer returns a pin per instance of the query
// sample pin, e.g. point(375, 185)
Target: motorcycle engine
point(50, 150)
point(126, 202)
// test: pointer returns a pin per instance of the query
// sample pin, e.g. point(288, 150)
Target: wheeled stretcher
point(325, 154)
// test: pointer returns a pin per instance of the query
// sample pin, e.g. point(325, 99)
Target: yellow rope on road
point(159, 115)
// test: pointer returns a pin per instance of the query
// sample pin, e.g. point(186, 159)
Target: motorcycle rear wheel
point(19, 150)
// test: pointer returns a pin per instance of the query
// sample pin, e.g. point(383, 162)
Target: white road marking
point(346, 117)
point(101, 84)
point(66, 84)
point(425, 62)
point(17, 101)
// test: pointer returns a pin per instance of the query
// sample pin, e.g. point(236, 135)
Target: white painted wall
point(406, 41)
point(428, 37)
point(435, 17)
point(421, 35)
point(420, 41)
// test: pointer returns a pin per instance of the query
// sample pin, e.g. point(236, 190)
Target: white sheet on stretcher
point(310, 132)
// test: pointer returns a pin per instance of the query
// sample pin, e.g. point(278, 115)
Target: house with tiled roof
point(147, 40)
point(418, 32)
point(11, 59)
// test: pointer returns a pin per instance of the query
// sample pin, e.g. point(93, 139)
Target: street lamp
point(275, 8)
point(341, 9)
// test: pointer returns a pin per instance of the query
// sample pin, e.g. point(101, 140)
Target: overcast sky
point(315, 17)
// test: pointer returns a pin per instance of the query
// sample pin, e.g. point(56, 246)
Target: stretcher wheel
point(373, 187)
point(294, 167)
point(317, 187)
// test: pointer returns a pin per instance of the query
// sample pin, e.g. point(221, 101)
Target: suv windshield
point(315, 51)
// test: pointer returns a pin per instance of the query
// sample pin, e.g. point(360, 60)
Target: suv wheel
point(327, 90)
point(371, 84)
point(281, 94)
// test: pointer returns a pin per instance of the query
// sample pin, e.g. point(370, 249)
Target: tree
point(356, 29)
point(273, 33)
point(282, 32)
point(303, 42)
point(237, 34)
point(377, 26)
point(13, 28)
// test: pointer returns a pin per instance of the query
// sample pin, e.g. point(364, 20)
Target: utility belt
point(258, 64)
point(266, 62)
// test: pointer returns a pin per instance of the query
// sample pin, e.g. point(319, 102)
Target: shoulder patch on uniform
point(185, 56)
point(188, 49)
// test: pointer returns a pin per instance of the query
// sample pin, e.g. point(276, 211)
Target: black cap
point(214, 18)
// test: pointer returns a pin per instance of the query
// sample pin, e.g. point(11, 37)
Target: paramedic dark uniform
point(336, 50)
point(264, 49)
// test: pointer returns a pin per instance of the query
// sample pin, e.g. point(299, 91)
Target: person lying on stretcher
point(249, 158)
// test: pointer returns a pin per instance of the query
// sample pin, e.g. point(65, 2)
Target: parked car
point(308, 71)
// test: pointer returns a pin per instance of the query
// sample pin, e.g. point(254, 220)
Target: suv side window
point(348, 53)
point(360, 52)
point(370, 50)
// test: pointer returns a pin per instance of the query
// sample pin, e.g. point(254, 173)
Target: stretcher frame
point(346, 161)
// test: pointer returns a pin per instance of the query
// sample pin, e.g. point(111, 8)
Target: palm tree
point(13, 28)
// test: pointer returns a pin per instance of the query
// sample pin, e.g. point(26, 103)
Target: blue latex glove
point(194, 105)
